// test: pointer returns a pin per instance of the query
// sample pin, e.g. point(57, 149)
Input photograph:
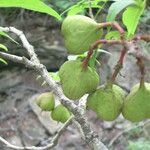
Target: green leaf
point(55, 76)
point(3, 61)
point(73, 7)
point(94, 4)
point(3, 47)
point(35, 5)
point(6, 35)
point(117, 7)
point(132, 15)
point(82, 5)
point(114, 35)
point(75, 10)
point(93, 59)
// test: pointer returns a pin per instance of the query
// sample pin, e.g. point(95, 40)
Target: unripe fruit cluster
point(108, 101)
point(46, 102)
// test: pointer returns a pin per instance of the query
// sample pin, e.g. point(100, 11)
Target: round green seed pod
point(77, 81)
point(136, 106)
point(79, 33)
point(106, 102)
point(60, 114)
point(46, 101)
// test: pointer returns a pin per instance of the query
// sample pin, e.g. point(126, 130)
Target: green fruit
point(118, 90)
point(60, 114)
point(137, 104)
point(106, 102)
point(46, 101)
point(77, 81)
point(79, 33)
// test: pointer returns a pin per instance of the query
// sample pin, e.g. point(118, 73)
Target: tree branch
point(17, 59)
point(79, 114)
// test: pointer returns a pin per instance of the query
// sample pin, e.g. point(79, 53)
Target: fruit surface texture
point(106, 102)
point(60, 114)
point(46, 101)
point(79, 33)
point(137, 104)
point(77, 81)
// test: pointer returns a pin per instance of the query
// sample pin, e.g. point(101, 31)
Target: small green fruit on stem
point(77, 81)
point(46, 101)
point(106, 102)
point(60, 114)
point(79, 33)
point(137, 104)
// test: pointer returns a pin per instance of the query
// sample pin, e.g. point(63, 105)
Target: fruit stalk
point(139, 57)
point(119, 65)
point(94, 46)
point(114, 25)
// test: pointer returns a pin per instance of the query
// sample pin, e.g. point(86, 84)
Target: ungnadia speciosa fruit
point(60, 114)
point(137, 104)
point(79, 32)
point(77, 81)
point(106, 101)
point(46, 101)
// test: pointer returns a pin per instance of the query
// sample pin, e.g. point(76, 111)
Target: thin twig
point(17, 59)
point(47, 147)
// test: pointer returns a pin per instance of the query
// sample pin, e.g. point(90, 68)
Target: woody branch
point(91, 138)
